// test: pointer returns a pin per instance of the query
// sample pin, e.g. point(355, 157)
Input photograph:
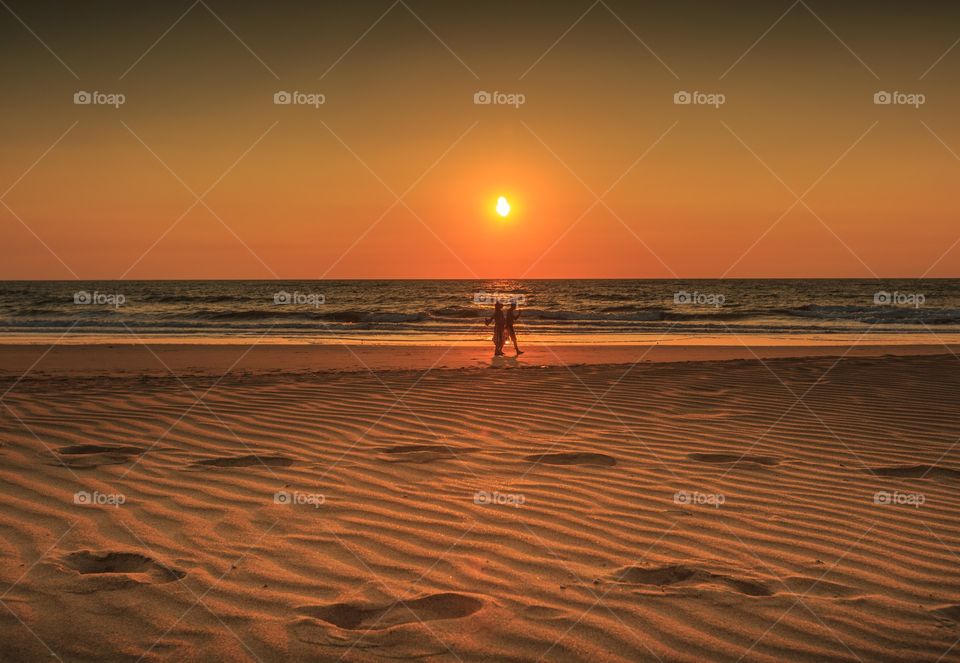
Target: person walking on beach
point(498, 328)
point(510, 318)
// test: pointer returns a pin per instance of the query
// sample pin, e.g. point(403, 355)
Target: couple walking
point(503, 327)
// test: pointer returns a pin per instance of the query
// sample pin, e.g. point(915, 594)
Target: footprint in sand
point(84, 456)
point(421, 453)
point(948, 614)
point(428, 608)
point(678, 573)
point(573, 458)
point(118, 570)
point(245, 461)
point(722, 459)
point(915, 472)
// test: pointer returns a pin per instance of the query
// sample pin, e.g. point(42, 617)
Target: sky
point(784, 165)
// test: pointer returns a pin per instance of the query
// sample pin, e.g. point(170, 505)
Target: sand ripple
point(697, 512)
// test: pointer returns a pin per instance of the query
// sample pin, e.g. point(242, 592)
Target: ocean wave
point(625, 314)
point(459, 312)
point(395, 317)
point(316, 314)
point(877, 314)
point(200, 299)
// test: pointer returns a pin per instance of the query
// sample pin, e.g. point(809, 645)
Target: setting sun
point(503, 207)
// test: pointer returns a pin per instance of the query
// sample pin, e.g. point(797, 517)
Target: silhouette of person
point(498, 328)
point(510, 318)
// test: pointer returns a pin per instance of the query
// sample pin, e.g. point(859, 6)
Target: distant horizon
point(502, 278)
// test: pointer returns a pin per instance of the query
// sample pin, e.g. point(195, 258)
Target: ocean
point(454, 310)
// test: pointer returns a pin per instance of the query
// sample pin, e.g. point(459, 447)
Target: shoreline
point(190, 359)
point(480, 338)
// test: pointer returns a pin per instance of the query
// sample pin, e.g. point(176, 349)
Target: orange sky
point(306, 192)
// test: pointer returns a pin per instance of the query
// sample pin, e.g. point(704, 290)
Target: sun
point(503, 207)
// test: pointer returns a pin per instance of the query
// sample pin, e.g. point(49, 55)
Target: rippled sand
point(801, 509)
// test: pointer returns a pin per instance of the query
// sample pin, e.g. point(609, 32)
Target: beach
point(324, 503)
point(491, 332)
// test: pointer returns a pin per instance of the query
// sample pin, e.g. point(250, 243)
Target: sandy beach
point(737, 509)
